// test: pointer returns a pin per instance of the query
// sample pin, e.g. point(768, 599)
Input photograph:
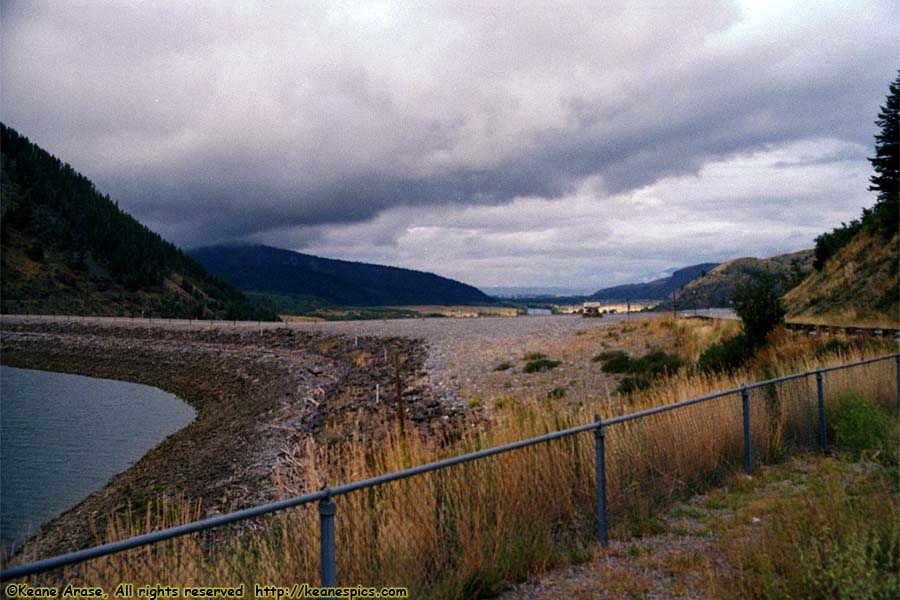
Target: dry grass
point(300, 319)
point(856, 287)
point(460, 311)
point(462, 531)
point(833, 534)
point(849, 317)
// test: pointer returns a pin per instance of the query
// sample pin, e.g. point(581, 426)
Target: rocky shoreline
point(259, 395)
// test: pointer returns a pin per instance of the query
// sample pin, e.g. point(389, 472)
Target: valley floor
point(262, 389)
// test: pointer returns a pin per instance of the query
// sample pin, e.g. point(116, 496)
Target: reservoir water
point(64, 436)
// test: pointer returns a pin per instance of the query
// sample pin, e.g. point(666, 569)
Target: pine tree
point(886, 163)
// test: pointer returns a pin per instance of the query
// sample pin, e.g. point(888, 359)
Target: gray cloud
point(277, 121)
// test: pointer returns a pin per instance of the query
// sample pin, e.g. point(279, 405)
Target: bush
point(633, 383)
point(725, 356)
point(503, 366)
point(657, 363)
point(828, 244)
point(641, 371)
point(615, 361)
point(540, 365)
point(758, 304)
point(832, 346)
point(860, 425)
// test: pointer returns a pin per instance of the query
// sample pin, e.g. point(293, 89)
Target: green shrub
point(657, 363)
point(503, 366)
point(640, 371)
point(832, 346)
point(615, 361)
point(633, 383)
point(725, 356)
point(540, 365)
point(758, 304)
point(859, 424)
point(828, 244)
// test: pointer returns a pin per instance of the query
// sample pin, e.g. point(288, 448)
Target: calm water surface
point(64, 436)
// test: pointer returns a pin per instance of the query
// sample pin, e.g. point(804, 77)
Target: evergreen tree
point(886, 163)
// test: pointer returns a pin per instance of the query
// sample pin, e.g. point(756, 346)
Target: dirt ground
point(262, 389)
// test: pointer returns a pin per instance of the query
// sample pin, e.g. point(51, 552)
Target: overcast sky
point(498, 143)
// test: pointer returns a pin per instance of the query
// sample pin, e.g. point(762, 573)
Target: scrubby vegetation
point(640, 372)
point(539, 365)
point(759, 306)
point(464, 531)
point(840, 536)
point(857, 423)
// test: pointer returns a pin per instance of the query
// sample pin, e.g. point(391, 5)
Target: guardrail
point(826, 330)
point(327, 506)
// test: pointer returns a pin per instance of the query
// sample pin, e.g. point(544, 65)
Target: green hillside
point(68, 249)
point(716, 287)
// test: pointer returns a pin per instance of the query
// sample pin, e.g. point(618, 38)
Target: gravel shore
point(259, 396)
point(263, 389)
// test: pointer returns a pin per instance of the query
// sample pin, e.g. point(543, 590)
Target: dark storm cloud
point(214, 121)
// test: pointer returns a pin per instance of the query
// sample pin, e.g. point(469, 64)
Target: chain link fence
point(463, 526)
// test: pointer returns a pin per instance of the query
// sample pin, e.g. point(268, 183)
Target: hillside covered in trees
point(294, 275)
point(69, 249)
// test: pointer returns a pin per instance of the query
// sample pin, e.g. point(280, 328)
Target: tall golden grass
point(462, 531)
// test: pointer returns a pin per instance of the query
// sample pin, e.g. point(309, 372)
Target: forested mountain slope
point(277, 271)
point(69, 249)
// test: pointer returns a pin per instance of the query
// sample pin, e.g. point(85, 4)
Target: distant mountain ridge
point(259, 268)
point(68, 249)
point(658, 289)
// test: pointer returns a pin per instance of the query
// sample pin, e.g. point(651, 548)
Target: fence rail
point(328, 507)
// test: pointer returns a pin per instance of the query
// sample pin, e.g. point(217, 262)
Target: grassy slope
point(716, 287)
point(857, 286)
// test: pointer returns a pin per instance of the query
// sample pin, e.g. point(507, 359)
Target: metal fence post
point(748, 448)
point(897, 358)
point(327, 509)
point(600, 446)
point(820, 391)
